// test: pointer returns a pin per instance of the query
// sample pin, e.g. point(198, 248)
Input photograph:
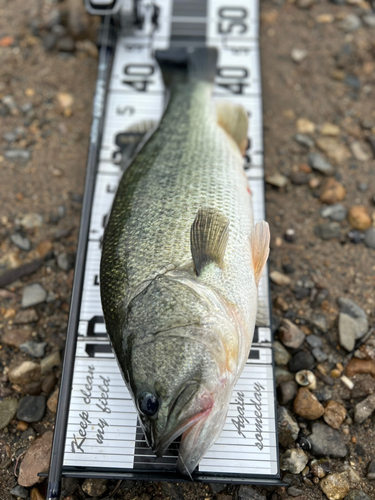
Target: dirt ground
point(46, 102)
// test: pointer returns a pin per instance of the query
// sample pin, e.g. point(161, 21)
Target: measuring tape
point(103, 435)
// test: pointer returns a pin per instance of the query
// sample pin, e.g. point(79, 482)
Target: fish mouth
point(206, 403)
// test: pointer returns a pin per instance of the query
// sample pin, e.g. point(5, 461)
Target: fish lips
point(191, 405)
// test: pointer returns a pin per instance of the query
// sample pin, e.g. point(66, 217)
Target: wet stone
point(287, 391)
point(8, 408)
point(31, 408)
point(326, 441)
point(33, 294)
point(288, 427)
point(36, 460)
point(336, 212)
point(306, 405)
point(294, 460)
point(19, 491)
point(370, 238)
point(364, 409)
point(317, 162)
point(301, 360)
point(34, 349)
point(328, 231)
point(21, 241)
point(282, 356)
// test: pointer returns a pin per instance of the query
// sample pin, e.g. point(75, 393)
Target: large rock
point(8, 408)
point(326, 441)
point(36, 460)
point(288, 427)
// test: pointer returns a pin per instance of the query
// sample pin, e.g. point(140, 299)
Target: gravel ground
point(318, 65)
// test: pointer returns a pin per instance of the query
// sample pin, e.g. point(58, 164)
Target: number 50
point(232, 20)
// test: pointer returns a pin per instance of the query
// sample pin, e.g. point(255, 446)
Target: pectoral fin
point(233, 119)
point(208, 238)
point(260, 243)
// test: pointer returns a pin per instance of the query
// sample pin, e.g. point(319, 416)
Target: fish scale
point(188, 164)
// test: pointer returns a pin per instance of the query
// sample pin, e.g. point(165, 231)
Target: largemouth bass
point(181, 262)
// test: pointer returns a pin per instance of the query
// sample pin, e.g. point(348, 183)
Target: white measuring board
point(103, 431)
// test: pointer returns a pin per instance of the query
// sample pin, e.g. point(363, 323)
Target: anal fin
point(233, 119)
point(208, 238)
point(260, 247)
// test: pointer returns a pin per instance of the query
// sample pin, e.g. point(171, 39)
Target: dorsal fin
point(260, 247)
point(233, 119)
point(208, 238)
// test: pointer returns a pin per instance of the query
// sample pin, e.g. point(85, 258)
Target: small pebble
point(355, 236)
point(319, 355)
point(277, 180)
point(34, 349)
point(288, 428)
point(370, 238)
point(298, 55)
point(287, 391)
point(22, 155)
point(94, 487)
point(359, 151)
point(21, 241)
point(32, 408)
point(359, 218)
point(15, 338)
point(336, 212)
point(305, 126)
point(357, 495)
point(354, 82)
point(334, 414)
point(369, 20)
point(8, 408)
point(306, 405)
point(328, 230)
point(330, 129)
point(364, 409)
point(317, 162)
point(281, 355)
point(33, 294)
point(280, 278)
point(290, 235)
point(350, 23)
point(332, 192)
point(290, 335)
point(27, 371)
point(371, 470)
point(304, 140)
point(19, 492)
point(294, 460)
point(50, 362)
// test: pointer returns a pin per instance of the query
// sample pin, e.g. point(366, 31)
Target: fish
point(181, 263)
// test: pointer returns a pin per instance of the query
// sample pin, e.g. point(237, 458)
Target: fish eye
point(148, 403)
